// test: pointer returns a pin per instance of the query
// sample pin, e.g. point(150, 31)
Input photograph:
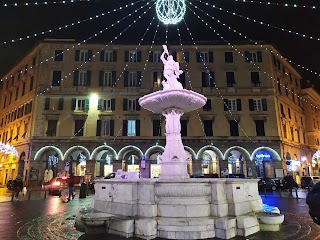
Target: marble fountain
point(175, 206)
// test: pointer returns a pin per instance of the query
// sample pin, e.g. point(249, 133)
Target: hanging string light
point(26, 4)
point(8, 149)
point(278, 4)
point(170, 11)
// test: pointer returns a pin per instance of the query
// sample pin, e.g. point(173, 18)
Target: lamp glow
point(170, 11)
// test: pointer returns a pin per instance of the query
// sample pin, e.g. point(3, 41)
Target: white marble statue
point(171, 71)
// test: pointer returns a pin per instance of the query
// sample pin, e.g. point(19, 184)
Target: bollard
point(296, 193)
point(12, 196)
point(29, 195)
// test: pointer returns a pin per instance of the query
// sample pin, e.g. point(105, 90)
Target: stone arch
point(238, 148)
point(75, 148)
point(191, 151)
point(48, 148)
point(101, 148)
point(209, 147)
point(153, 149)
point(275, 155)
point(127, 149)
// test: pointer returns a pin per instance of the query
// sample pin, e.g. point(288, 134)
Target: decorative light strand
point(255, 43)
point(258, 21)
point(278, 4)
point(33, 35)
point(8, 149)
point(27, 4)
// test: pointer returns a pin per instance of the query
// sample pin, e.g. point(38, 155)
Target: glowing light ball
point(170, 11)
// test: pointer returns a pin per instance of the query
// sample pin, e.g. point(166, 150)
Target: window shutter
point(251, 108)
point(113, 104)
point(138, 105)
point(125, 104)
point(111, 127)
point(247, 56)
point(212, 79)
point(101, 76)
point(225, 104)
point(87, 104)
point(98, 127)
point(89, 55)
point(114, 75)
point(186, 57)
point(139, 78)
point(204, 82)
point(198, 57)
point(174, 55)
point(60, 106)
point(114, 53)
point(75, 77)
point(259, 56)
point(126, 78)
point(139, 56)
point(73, 104)
point(137, 127)
point(102, 54)
point(99, 104)
point(264, 104)
point(210, 56)
point(77, 56)
point(151, 56)
point(125, 128)
point(126, 56)
point(182, 79)
point(88, 83)
point(47, 104)
point(238, 104)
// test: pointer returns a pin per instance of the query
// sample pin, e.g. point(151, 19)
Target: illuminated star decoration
point(170, 11)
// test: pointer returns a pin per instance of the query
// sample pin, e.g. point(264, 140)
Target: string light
point(27, 4)
point(277, 4)
point(33, 35)
point(258, 21)
point(170, 11)
point(8, 149)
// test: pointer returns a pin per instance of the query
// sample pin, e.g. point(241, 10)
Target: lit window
point(232, 104)
point(106, 105)
point(80, 104)
point(131, 127)
point(257, 105)
point(133, 82)
point(82, 78)
point(107, 80)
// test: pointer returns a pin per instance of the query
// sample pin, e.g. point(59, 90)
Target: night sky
point(21, 21)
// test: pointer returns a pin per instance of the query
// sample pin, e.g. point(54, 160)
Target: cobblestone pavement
point(50, 218)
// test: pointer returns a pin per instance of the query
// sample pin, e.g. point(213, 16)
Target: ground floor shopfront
point(210, 160)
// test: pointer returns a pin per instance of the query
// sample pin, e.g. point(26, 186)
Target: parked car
point(58, 183)
point(109, 176)
point(267, 183)
point(309, 181)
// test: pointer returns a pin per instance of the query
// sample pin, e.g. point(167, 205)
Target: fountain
point(175, 206)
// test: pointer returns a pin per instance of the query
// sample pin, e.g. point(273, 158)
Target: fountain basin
point(184, 100)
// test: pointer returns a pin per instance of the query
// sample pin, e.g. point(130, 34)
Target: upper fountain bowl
point(184, 100)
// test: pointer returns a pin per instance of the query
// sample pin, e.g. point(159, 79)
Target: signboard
point(263, 156)
point(143, 161)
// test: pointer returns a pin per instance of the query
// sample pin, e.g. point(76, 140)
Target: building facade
point(74, 108)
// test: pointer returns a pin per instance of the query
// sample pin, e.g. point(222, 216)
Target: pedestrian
point(290, 183)
point(17, 186)
point(71, 186)
point(313, 201)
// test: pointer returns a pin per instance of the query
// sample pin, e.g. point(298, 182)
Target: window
point(23, 88)
point(258, 104)
point(286, 90)
point(230, 79)
point(60, 104)
point(52, 128)
point(47, 104)
point(106, 104)
point(81, 78)
point(260, 127)
point(31, 83)
point(132, 79)
point(56, 78)
point(301, 119)
point(205, 57)
point(80, 104)
point(83, 55)
point(279, 86)
point(156, 131)
point(17, 93)
point(228, 57)
point(292, 134)
point(131, 127)
point(25, 69)
point(282, 110)
point(78, 127)
point(58, 55)
point(255, 80)
point(289, 113)
point(155, 57)
point(232, 104)
point(131, 105)
point(208, 79)
point(105, 127)
point(234, 128)
point(157, 79)
point(184, 128)
point(207, 106)
point(293, 97)
point(132, 56)
point(107, 78)
point(253, 56)
point(34, 62)
point(181, 57)
point(108, 56)
point(207, 124)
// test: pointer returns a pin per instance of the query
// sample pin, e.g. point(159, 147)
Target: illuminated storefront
point(209, 162)
point(263, 162)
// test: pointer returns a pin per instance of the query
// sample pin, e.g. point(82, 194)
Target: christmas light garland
point(27, 4)
point(8, 149)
